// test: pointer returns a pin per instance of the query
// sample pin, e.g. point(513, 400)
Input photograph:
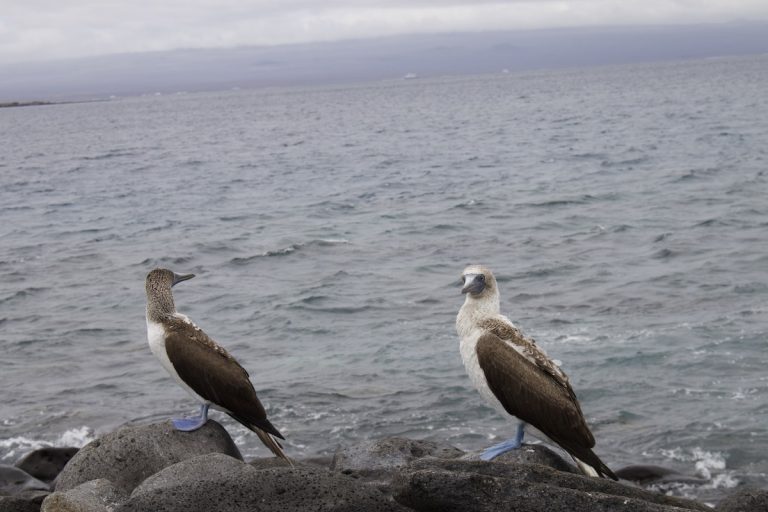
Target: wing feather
point(534, 395)
point(215, 375)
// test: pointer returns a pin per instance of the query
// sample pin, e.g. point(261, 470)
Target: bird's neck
point(159, 305)
point(474, 310)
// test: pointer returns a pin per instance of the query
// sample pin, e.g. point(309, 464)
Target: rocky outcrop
point(130, 455)
point(17, 504)
point(46, 463)
point(155, 467)
point(14, 480)
point(648, 474)
point(20, 491)
point(457, 485)
point(745, 499)
point(216, 482)
point(530, 454)
point(93, 496)
point(376, 462)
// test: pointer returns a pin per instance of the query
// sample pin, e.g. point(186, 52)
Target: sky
point(35, 30)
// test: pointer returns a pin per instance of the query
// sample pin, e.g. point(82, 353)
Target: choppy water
point(624, 210)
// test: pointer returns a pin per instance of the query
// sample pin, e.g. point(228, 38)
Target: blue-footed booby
point(515, 376)
point(200, 365)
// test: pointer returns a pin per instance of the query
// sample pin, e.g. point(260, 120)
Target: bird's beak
point(472, 284)
point(177, 278)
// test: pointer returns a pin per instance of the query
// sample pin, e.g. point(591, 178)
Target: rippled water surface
point(624, 211)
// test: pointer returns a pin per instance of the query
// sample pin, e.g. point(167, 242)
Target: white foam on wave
point(710, 466)
point(14, 447)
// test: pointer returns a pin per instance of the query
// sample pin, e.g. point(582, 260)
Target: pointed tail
point(271, 443)
point(597, 471)
point(267, 433)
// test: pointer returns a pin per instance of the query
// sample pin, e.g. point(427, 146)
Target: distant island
point(37, 103)
point(25, 104)
point(368, 60)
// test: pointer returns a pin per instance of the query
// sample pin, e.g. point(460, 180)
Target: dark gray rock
point(388, 454)
point(215, 482)
point(92, 496)
point(14, 480)
point(530, 454)
point(129, 455)
point(272, 462)
point(46, 463)
point(17, 504)
point(745, 499)
point(320, 461)
point(648, 474)
point(448, 485)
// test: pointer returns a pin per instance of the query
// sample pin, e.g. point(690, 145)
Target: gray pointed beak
point(177, 278)
point(472, 284)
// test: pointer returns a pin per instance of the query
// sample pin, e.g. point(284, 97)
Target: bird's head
point(478, 282)
point(159, 296)
point(164, 279)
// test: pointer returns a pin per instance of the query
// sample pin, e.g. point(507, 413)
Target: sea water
point(623, 209)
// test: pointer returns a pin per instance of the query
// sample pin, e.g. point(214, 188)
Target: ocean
point(623, 209)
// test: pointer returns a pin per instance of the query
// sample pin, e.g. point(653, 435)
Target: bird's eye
point(481, 278)
point(463, 279)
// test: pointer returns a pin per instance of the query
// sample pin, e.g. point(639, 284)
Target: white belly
point(469, 356)
point(477, 376)
point(156, 338)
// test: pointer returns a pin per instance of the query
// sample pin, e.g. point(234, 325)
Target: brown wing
point(536, 397)
point(534, 354)
point(215, 375)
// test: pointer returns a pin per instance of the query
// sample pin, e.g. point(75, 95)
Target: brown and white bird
point(200, 365)
point(515, 376)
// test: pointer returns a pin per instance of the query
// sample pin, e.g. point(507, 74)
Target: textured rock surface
point(745, 499)
point(131, 454)
point(17, 504)
point(46, 463)
point(648, 474)
point(388, 454)
point(530, 454)
point(156, 468)
point(215, 482)
point(14, 480)
point(93, 496)
point(428, 485)
point(272, 462)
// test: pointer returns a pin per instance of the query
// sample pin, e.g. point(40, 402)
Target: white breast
point(156, 338)
point(468, 348)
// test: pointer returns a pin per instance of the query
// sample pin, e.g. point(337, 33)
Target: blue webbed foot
point(497, 449)
point(192, 424)
point(506, 446)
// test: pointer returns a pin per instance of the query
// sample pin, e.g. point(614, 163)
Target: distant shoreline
point(37, 103)
point(25, 104)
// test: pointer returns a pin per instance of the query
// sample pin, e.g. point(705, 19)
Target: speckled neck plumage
point(160, 303)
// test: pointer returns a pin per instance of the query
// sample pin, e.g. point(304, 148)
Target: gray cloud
point(50, 29)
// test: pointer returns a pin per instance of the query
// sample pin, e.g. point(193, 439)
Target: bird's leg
point(191, 424)
point(510, 444)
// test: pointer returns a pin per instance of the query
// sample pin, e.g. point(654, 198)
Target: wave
point(290, 249)
point(14, 447)
point(619, 163)
point(23, 294)
point(582, 199)
point(710, 466)
point(113, 153)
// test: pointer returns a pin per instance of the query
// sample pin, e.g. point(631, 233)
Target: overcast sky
point(52, 29)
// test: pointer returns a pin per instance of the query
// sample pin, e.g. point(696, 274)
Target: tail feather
point(271, 443)
point(266, 436)
point(598, 470)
